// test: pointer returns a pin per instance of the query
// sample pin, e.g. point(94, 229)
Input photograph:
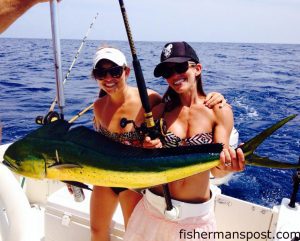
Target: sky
point(242, 21)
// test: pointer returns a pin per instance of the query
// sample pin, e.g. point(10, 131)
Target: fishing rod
point(57, 57)
point(81, 113)
point(171, 212)
point(138, 72)
point(52, 115)
point(75, 58)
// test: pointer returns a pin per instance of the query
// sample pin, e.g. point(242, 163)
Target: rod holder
point(296, 184)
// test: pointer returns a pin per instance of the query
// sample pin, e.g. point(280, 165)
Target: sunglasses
point(115, 72)
point(179, 68)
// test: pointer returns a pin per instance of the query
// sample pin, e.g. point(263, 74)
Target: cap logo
point(167, 50)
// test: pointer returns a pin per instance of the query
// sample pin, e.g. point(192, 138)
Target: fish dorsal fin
point(53, 130)
point(91, 139)
point(97, 142)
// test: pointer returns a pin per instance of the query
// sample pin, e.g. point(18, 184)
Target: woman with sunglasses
point(116, 100)
point(188, 122)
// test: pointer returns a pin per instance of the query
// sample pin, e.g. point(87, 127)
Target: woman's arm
point(231, 160)
point(11, 10)
point(97, 113)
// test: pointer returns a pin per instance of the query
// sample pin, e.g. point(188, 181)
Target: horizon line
point(159, 41)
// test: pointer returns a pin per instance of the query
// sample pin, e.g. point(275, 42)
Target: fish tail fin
point(250, 146)
point(255, 160)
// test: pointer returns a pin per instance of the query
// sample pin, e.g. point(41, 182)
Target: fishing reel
point(50, 117)
point(159, 130)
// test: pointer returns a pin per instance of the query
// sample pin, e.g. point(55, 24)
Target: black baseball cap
point(175, 52)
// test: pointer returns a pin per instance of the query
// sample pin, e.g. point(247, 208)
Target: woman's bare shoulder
point(158, 110)
point(98, 105)
point(222, 112)
point(154, 98)
point(99, 102)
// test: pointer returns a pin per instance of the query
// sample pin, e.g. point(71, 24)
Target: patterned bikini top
point(171, 140)
point(133, 138)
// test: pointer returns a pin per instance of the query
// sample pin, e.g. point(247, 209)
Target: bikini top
point(171, 140)
point(133, 138)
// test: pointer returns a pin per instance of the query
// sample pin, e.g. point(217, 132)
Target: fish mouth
point(9, 165)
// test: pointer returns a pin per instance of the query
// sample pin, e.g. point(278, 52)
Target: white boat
point(45, 211)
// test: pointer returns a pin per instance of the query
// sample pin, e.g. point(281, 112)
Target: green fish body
point(57, 152)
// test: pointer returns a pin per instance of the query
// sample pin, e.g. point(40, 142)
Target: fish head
point(22, 158)
point(29, 155)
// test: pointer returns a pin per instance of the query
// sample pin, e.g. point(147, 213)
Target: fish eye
point(18, 162)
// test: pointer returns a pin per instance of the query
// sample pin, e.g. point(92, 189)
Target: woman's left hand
point(232, 160)
point(213, 99)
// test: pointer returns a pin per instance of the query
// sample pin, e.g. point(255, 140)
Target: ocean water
point(260, 81)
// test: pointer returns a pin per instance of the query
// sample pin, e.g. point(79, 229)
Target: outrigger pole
point(75, 59)
point(57, 57)
point(53, 115)
point(171, 212)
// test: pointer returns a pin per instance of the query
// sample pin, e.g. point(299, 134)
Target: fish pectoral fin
point(65, 165)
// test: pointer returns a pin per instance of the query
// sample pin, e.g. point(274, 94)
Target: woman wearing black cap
point(189, 122)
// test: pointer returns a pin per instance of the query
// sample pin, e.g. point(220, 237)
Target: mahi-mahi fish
point(57, 151)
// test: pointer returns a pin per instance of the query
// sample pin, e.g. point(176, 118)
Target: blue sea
point(260, 81)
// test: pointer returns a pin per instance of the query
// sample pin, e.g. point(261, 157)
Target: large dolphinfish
point(83, 155)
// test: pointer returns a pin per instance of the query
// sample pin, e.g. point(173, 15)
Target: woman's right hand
point(148, 143)
point(232, 160)
point(214, 98)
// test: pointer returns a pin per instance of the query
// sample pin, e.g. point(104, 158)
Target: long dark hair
point(171, 98)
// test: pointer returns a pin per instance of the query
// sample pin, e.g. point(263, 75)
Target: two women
point(117, 100)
